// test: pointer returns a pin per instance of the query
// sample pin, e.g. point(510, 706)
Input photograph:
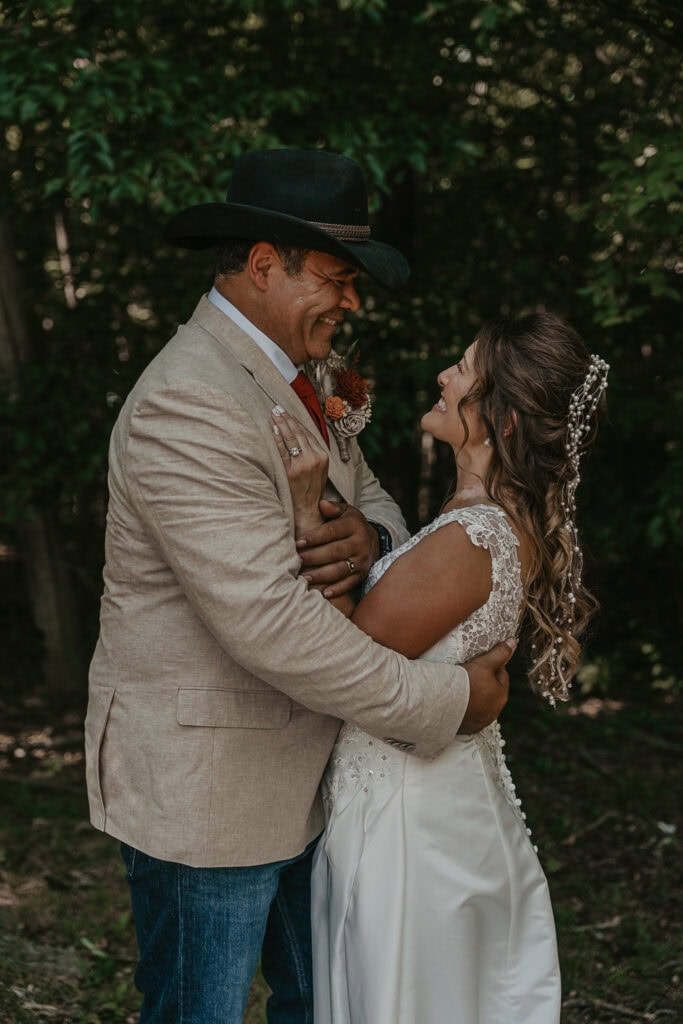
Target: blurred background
point(524, 155)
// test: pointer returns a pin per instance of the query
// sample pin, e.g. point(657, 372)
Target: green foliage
point(523, 154)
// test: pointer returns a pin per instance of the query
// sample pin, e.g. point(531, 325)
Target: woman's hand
point(305, 459)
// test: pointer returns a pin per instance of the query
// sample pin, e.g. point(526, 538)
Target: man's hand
point(337, 556)
point(489, 683)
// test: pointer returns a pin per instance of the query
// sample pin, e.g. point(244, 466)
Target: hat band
point(345, 232)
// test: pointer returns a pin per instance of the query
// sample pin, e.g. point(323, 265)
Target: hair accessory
point(582, 407)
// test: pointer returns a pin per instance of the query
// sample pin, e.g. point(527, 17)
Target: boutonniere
point(344, 396)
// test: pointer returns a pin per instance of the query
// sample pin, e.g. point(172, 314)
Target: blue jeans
point(200, 932)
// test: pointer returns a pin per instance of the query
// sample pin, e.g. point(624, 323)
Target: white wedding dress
point(429, 902)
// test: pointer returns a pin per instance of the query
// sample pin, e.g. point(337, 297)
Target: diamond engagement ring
point(351, 565)
point(294, 452)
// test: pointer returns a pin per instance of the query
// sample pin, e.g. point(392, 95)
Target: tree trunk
point(15, 346)
point(49, 587)
point(53, 605)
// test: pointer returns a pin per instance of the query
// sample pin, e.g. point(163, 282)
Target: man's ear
point(262, 257)
point(511, 424)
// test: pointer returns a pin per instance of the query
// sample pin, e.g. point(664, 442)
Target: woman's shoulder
point(487, 526)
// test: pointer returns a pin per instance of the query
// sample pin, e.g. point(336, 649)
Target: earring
point(487, 441)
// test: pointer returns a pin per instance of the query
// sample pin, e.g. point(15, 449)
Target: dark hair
point(527, 372)
point(233, 253)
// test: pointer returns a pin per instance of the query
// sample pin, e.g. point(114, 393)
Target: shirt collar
point(279, 358)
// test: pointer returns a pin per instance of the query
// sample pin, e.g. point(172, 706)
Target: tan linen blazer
point(219, 681)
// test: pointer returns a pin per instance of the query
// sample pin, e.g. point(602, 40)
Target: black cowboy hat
point(311, 199)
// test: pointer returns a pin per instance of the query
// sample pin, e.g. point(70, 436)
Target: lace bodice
point(358, 760)
point(487, 527)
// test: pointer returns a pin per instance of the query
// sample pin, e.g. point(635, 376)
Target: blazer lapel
point(269, 379)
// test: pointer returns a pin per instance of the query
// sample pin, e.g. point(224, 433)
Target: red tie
point(304, 390)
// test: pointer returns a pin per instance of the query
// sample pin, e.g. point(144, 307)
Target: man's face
point(305, 312)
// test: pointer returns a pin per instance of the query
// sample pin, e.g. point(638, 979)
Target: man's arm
point(210, 489)
point(412, 617)
point(349, 534)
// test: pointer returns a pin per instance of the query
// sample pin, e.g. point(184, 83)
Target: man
point(220, 677)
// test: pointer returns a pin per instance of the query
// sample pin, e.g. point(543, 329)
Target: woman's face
point(443, 419)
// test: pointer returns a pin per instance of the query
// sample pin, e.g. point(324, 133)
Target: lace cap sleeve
point(487, 527)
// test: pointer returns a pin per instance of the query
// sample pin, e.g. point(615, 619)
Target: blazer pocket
point(99, 706)
point(234, 709)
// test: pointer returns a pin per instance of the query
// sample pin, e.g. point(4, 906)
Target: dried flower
point(334, 407)
point(344, 395)
point(350, 386)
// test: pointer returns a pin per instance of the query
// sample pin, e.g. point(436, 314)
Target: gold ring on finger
point(350, 565)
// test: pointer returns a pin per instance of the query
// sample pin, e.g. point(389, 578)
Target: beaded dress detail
point(429, 904)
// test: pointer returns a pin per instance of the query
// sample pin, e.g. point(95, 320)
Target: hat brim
point(208, 224)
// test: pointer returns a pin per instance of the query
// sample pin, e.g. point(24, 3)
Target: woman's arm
point(425, 593)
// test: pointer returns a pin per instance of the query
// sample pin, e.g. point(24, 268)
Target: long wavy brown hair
point(527, 371)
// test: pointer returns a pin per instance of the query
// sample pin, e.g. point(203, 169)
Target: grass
point(600, 783)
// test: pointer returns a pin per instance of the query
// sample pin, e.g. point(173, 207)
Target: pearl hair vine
point(583, 405)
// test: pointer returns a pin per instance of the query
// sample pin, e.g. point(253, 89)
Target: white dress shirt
point(279, 358)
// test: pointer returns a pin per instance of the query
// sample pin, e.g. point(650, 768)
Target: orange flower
point(351, 386)
point(334, 407)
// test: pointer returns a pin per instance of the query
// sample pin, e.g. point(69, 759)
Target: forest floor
point(601, 783)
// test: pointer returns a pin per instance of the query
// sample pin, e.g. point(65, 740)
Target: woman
point(429, 903)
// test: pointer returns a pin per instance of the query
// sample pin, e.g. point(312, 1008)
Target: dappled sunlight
point(594, 706)
point(41, 754)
